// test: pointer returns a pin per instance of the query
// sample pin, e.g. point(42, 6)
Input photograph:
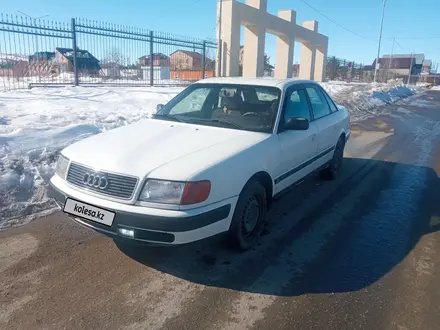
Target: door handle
point(313, 136)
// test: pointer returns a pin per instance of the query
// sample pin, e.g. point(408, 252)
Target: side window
point(330, 102)
point(319, 103)
point(297, 105)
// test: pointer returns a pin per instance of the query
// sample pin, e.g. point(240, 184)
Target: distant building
point(402, 62)
point(85, 61)
point(111, 70)
point(191, 75)
point(426, 67)
point(41, 57)
point(159, 59)
point(184, 60)
point(160, 73)
point(187, 65)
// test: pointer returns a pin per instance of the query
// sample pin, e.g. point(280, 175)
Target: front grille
point(118, 186)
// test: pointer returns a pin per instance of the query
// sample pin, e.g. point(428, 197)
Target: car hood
point(140, 148)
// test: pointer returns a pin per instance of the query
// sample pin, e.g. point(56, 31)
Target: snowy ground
point(36, 124)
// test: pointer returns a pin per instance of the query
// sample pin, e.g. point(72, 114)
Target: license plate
point(89, 212)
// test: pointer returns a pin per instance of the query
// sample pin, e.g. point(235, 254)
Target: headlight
point(62, 164)
point(172, 192)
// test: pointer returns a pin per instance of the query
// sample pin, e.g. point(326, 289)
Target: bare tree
point(116, 57)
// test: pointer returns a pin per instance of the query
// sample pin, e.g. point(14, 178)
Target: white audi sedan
point(210, 161)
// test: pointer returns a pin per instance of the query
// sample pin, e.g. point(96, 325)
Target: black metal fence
point(37, 52)
point(40, 52)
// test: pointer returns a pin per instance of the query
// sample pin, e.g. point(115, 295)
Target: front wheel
point(249, 216)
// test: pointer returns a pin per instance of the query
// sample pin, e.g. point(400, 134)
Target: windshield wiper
point(225, 121)
point(221, 121)
point(167, 116)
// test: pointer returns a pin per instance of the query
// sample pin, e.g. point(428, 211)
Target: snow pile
point(36, 124)
point(366, 100)
point(435, 88)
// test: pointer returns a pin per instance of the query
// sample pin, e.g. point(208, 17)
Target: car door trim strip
point(303, 165)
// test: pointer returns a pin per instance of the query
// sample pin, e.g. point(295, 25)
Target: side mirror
point(159, 107)
point(296, 124)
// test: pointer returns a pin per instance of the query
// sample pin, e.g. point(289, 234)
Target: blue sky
point(413, 23)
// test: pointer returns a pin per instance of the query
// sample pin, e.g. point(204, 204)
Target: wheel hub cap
point(251, 215)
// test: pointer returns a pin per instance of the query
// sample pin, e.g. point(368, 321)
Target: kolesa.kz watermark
point(86, 211)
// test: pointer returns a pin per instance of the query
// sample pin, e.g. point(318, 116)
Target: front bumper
point(193, 226)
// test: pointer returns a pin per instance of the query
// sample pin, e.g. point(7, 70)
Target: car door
point(297, 148)
point(327, 130)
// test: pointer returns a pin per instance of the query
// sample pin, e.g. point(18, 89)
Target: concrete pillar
point(254, 42)
point(320, 63)
point(230, 35)
point(253, 52)
point(285, 48)
point(259, 4)
point(308, 54)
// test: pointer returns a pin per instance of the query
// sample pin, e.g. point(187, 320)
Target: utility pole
point(380, 39)
point(220, 42)
point(410, 69)
point(391, 59)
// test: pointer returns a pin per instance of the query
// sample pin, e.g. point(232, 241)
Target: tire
point(332, 171)
point(249, 217)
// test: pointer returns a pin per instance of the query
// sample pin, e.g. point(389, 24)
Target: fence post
point(203, 59)
point(151, 59)
point(75, 68)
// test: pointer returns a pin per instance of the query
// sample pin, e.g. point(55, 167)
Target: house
point(159, 73)
point(417, 62)
point(85, 61)
point(159, 59)
point(191, 75)
point(184, 60)
point(111, 70)
point(187, 65)
point(41, 57)
point(396, 66)
point(9, 63)
point(426, 66)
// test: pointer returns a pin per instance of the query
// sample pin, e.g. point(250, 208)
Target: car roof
point(266, 81)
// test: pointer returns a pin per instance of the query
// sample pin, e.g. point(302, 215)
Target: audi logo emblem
point(95, 180)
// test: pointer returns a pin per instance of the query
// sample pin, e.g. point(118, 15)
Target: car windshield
point(244, 107)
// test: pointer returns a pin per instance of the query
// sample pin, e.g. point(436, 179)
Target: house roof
point(194, 55)
point(42, 55)
point(427, 63)
point(419, 58)
point(80, 53)
point(84, 59)
point(155, 55)
point(396, 63)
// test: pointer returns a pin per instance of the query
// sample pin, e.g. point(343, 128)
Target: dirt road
point(361, 252)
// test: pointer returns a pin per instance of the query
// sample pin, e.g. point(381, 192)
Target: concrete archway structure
point(257, 21)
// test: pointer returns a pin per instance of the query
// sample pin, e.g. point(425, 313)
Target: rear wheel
point(331, 172)
point(249, 216)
